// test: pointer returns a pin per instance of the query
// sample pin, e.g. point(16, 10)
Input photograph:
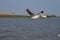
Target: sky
point(50, 7)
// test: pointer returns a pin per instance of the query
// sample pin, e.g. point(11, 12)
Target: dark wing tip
point(42, 12)
point(29, 12)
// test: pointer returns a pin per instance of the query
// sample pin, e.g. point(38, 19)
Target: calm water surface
point(25, 29)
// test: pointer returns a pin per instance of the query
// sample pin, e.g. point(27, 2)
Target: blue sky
point(19, 6)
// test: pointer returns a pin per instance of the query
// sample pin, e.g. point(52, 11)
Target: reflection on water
point(25, 29)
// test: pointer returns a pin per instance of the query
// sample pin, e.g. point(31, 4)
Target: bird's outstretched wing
point(32, 14)
point(41, 12)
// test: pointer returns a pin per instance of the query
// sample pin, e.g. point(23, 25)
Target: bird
point(33, 16)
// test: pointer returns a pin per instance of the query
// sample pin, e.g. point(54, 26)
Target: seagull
point(33, 16)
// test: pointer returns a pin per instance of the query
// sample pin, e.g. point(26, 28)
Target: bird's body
point(35, 17)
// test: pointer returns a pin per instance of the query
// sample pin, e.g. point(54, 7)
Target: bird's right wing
point(32, 14)
point(41, 12)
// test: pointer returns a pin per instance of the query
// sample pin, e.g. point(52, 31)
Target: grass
point(14, 16)
point(20, 16)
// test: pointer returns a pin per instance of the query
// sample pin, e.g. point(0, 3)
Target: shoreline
point(21, 16)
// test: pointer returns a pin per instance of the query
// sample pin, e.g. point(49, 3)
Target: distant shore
point(20, 16)
point(14, 16)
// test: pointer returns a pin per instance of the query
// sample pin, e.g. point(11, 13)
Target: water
point(25, 29)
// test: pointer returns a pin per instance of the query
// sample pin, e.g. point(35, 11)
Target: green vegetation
point(14, 16)
point(58, 17)
point(20, 16)
point(7, 15)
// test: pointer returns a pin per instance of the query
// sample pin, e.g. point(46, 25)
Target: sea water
point(25, 29)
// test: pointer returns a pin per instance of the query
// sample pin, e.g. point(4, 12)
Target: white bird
point(58, 35)
point(33, 16)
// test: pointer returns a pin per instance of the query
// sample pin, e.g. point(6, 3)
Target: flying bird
point(33, 16)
